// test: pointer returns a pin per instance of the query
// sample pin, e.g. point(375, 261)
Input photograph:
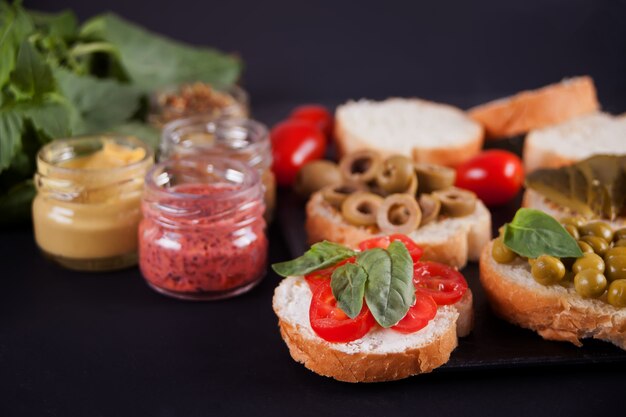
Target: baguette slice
point(555, 312)
point(535, 109)
point(574, 140)
point(451, 241)
point(426, 131)
point(382, 355)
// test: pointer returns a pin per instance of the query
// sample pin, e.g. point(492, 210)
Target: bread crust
point(562, 317)
point(536, 158)
point(534, 109)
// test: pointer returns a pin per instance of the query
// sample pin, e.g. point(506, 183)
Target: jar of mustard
point(245, 140)
point(88, 204)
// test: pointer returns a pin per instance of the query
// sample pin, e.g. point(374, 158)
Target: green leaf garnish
point(320, 256)
point(348, 285)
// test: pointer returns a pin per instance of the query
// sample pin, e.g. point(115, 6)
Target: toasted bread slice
point(535, 109)
point(382, 354)
point(426, 131)
point(555, 312)
point(451, 241)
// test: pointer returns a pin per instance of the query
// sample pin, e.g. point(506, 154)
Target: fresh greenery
point(384, 277)
point(58, 79)
point(533, 233)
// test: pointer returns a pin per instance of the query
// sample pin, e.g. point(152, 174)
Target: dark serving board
point(493, 343)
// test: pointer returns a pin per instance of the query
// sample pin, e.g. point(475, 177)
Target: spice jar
point(197, 99)
point(87, 208)
point(203, 232)
point(242, 139)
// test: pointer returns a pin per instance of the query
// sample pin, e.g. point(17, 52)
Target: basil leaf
point(389, 291)
point(348, 285)
point(533, 233)
point(32, 76)
point(15, 25)
point(11, 126)
point(321, 255)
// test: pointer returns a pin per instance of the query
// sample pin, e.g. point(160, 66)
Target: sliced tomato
point(317, 277)
point(384, 241)
point(443, 283)
point(333, 325)
point(418, 316)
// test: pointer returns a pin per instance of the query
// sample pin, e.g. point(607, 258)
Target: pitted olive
point(430, 207)
point(432, 177)
point(399, 213)
point(316, 175)
point(456, 202)
point(336, 194)
point(360, 166)
point(360, 208)
point(395, 175)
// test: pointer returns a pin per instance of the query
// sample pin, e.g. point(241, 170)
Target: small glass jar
point(243, 139)
point(86, 212)
point(202, 236)
point(196, 99)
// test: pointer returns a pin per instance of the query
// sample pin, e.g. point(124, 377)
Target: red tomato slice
point(332, 324)
point(384, 241)
point(317, 277)
point(418, 316)
point(444, 284)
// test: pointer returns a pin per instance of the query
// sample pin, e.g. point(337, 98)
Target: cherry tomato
point(496, 176)
point(384, 241)
point(294, 143)
point(314, 279)
point(333, 325)
point(443, 283)
point(316, 114)
point(418, 316)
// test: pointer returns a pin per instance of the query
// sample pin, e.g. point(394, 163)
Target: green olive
point(456, 202)
point(585, 247)
point(617, 293)
point(572, 230)
point(598, 244)
point(432, 177)
point(399, 213)
point(315, 175)
point(620, 234)
point(575, 221)
point(619, 243)
point(501, 253)
point(360, 208)
point(599, 229)
point(590, 283)
point(588, 261)
point(336, 194)
point(547, 270)
point(360, 167)
point(395, 175)
point(615, 267)
point(430, 207)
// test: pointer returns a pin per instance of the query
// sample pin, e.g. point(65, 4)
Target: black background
point(75, 344)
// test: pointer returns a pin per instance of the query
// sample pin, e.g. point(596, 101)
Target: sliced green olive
point(617, 293)
point(598, 244)
point(590, 283)
point(432, 177)
point(336, 194)
point(572, 230)
point(395, 175)
point(615, 267)
point(316, 175)
point(588, 261)
point(360, 208)
point(599, 229)
point(360, 166)
point(501, 253)
point(456, 202)
point(575, 221)
point(547, 270)
point(399, 213)
point(430, 207)
point(585, 247)
point(620, 234)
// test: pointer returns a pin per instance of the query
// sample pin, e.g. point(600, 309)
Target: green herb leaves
point(533, 233)
point(320, 256)
point(348, 285)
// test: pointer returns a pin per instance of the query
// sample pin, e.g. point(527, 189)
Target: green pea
point(599, 229)
point(616, 267)
point(575, 221)
point(617, 293)
point(598, 244)
point(590, 283)
point(572, 230)
point(588, 261)
point(501, 253)
point(547, 270)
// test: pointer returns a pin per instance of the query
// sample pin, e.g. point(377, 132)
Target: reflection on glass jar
point(242, 139)
point(87, 208)
point(203, 232)
point(197, 99)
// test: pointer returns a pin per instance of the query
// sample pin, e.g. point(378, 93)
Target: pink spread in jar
point(203, 233)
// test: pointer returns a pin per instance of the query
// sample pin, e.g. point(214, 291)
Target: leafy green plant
point(59, 78)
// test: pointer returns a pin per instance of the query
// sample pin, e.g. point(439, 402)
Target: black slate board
point(493, 343)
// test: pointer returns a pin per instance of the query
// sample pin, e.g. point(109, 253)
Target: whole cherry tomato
point(496, 176)
point(294, 143)
point(316, 114)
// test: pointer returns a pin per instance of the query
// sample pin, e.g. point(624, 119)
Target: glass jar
point(88, 203)
point(242, 139)
point(203, 232)
point(196, 99)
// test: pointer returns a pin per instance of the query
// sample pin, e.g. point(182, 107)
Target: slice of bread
point(555, 312)
point(535, 109)
point(451, 241)
point(574, 140)
point(426, 131)
point(382, 354)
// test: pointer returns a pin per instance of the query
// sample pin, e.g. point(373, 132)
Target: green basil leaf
point(348, 285)
point(320, 256)
point(15, 25)
point(32, 76)
point(11, 125)
point(533, 233)
point(389, 291)
point(63, 24)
